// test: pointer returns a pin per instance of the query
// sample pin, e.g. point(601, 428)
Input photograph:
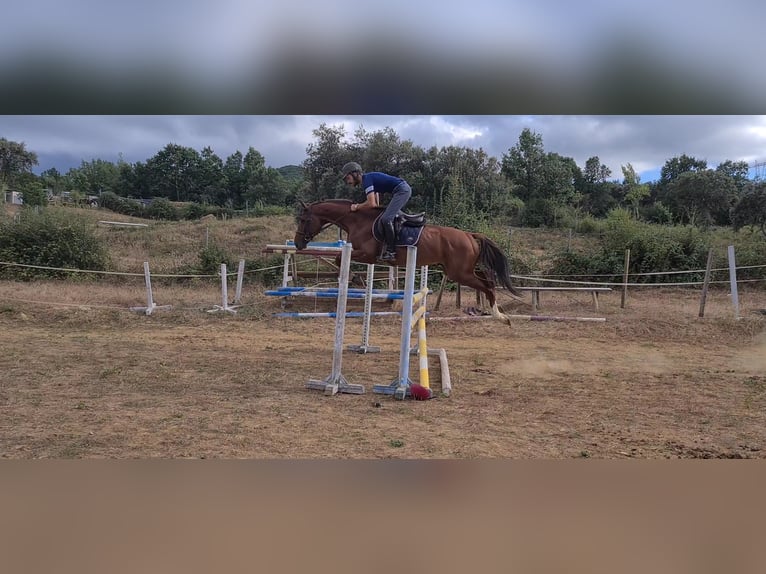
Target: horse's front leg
point(363, 256)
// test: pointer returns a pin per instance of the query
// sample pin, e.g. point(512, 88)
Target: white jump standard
point(400, 387)
point(336, 382)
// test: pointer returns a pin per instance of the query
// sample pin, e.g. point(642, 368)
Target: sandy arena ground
point(87, 378)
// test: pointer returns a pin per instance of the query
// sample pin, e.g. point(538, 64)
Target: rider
point(374, 183)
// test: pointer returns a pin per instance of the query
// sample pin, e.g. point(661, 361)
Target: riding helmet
point(351, 166)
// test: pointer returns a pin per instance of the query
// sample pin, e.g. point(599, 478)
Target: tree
point(172, 173)
point(15, 160)
point(324, 160)
point(523, 165)
point(595, 172)
point(544, 181)
point(702, 198)
point(210, 181)
point(559, 174)
point(53, 180)
point(93, 177)
point(676, 166)
point(235, 178)
point(750, 209)
point(133, 180)
point(598, 194)
point(264, 185)
point(32, 190)
point(633, 190)
point(736, 170)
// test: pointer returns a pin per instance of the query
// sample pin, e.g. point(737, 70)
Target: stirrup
point(388, 256)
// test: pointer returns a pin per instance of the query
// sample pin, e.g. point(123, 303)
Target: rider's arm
point(370, 202)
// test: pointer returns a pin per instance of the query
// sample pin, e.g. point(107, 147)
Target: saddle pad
point(406, 236)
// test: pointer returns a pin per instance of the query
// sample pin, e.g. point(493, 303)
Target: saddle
point(407, 226)
point(409, 220)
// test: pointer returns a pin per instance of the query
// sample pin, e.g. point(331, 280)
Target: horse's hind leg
point(488, 289)
point(478, 280)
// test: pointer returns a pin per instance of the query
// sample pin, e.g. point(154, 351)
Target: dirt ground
point(83, 377)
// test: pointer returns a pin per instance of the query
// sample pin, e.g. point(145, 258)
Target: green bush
point(598, 266)
point(161, 208)
point(539, 212)
point(590, 225)
point(194, 211)
point(113, 202)
point(653, 248)
point(272, 267)
point(50, 239)
point(210, 258)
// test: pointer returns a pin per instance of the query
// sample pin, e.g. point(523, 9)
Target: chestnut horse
point(458, 252)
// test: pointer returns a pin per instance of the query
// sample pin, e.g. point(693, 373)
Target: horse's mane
point(344, 201)
point(332, 201)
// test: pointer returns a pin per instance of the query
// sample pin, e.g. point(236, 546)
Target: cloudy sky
point(283, 66)
point(644, 141)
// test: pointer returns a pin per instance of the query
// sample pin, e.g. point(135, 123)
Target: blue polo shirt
point(376, 181)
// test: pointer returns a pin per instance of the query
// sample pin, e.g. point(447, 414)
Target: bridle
point(305, 219)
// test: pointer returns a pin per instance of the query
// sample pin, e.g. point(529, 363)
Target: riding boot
point(390, 236)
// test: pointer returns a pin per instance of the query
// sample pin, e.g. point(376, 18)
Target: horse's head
point(309, 225)
point(315, 217)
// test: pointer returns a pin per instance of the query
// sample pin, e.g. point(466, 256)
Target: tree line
point(455, 185)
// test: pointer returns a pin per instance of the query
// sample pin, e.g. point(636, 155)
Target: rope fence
point(542, 278)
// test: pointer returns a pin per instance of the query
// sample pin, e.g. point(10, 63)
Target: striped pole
point(422, 345)
point(423, 349)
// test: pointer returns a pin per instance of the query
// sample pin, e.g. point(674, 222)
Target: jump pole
point(332, 315)
point(335, 382)
point(524, 318)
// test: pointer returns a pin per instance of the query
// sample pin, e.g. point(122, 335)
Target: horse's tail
point(494, 260)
